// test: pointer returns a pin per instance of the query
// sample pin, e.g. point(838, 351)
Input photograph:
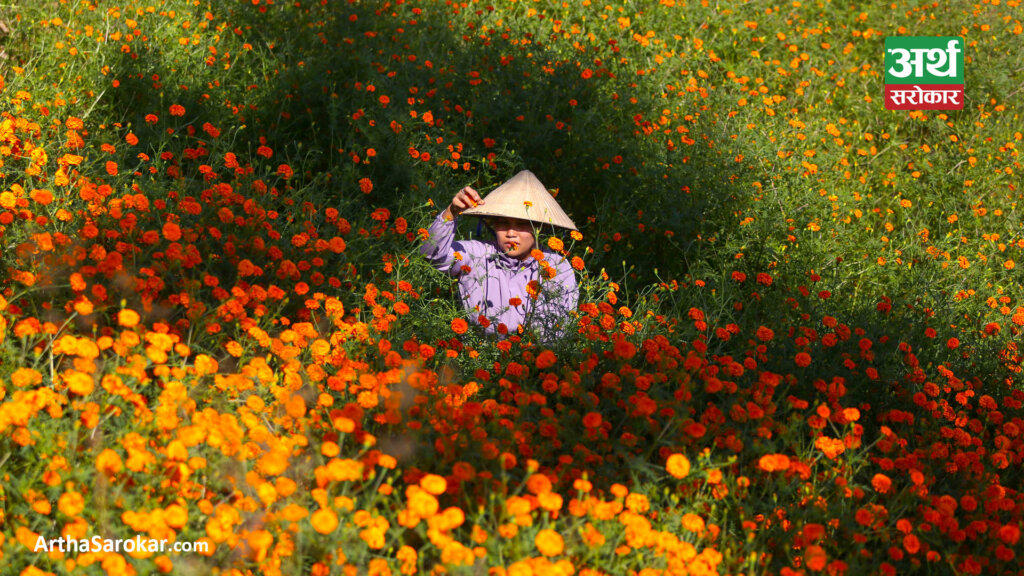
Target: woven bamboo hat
point(523, 197)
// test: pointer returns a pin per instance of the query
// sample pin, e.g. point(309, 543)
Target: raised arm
point(439, 249)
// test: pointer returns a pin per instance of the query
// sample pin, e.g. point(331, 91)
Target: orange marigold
point(549, 542)
point(881, 483)
point(832, 447)
point(773, 462)
point(172, 232)
point(678, 465)
point(324, 521)
point(434, 484)
point(459, 326)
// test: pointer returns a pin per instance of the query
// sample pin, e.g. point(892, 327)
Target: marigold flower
point(813, 532)
point(177, 110)
point(109, 463)
point(79, 383)
point(434, 484)
point(773, 462)
point(538, 484)
point(365, 185)
point(176, 516)
point(911, 544)
point(171, 231)
point(324, 520)
point(128, 318)
point(549, 542)
point(678, 465)
point(815, 558)
point(233, 348)
point(881, 483)
point(624, 349)
point(693, 523)
point(71, 504)
point(592, 420)
point(832, 447)
point(459, 326)
point(546, 359)
point(803, 359)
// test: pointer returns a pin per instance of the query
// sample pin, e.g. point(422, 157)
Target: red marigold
point(546, 359)
point(881, 483)
point(592, 420)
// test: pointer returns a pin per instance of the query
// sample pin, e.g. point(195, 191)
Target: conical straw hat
point(525, 198)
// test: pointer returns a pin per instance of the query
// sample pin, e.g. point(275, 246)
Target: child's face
point(514, 237)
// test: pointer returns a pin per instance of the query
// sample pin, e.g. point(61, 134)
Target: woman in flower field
point(509, 283)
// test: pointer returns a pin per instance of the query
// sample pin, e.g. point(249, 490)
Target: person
point(504, 287)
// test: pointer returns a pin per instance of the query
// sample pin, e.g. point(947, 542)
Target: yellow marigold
point(549, 542)
point(407, 556)
point(693, 523)
point(206, 365)
point(434, 484)
point(293, 513)
point(550, 501)
point(517, 505)
point(128, 318)
point(79, 383)
point(274, 461)
point(638, 503)
point(25, 377)
point(175, 516)
point(71, 504)
point(678, 465)
point(109, 462)
point(421, 503)
point(457, 554)
point(324, 520)
point(345, 470)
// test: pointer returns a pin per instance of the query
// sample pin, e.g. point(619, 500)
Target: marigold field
point(797, 349)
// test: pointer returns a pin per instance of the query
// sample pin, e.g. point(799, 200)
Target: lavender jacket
point(488, 279)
